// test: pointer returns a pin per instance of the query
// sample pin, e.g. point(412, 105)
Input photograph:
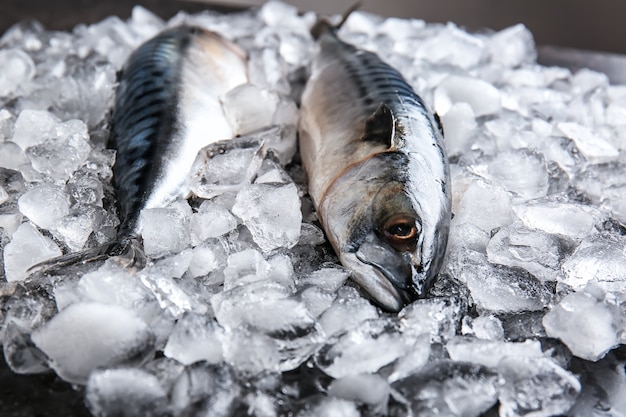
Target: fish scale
point(377, 170)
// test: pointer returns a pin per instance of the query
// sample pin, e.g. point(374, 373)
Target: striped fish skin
point(377, 171)
point(167, 108)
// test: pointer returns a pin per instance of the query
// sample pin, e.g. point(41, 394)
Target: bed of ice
point(243, 308)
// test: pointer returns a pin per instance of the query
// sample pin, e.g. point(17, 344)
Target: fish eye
point(401, 232)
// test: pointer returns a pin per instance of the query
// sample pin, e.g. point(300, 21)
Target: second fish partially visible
point(377, 170)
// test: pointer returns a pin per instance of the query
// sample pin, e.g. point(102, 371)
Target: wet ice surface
point(243, 309)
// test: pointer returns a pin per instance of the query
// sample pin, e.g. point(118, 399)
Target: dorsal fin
point(380, 127)
point(322, 25)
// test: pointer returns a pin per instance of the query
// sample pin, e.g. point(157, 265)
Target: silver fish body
point(377, 171)
point(167, 108)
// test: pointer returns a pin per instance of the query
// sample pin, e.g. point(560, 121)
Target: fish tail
point(323, 25)
point(129, 252)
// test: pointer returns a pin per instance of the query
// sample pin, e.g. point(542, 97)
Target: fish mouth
point(385, 274)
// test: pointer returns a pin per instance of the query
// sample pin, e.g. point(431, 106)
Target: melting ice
point(243, 309)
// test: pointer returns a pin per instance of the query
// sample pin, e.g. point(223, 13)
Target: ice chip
point(534, 250)
point(347, 312)
point(594, 147)
point(86, 336)
point(452, 46)
point(19, 351)
point(458, 122)
point(365, 349)
point(436, 317)
point(599, 258)
point(370, 389)
point(33, 127)
point(53, 198)
point(452, 388)
point(489, 353)
point(207, 257)
point(16, 69)
point(502, 289)
point(589, 325)
point(271, 213)
point(486, 327)
point(251, 352)
point(211, 220)
point(483, 98)
point(568, 219)
point(164, 230)
point(27, 248)
point(513, 46)
point(521, 395)
point(331, 407)
point(521, 172)
point(125, 392)
point(483, 205)
point(195, 338)
point(13, 157)
point(249, 108)
point(76, 228)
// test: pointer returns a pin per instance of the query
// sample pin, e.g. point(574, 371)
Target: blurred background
point(593, 25)
point(569, 33)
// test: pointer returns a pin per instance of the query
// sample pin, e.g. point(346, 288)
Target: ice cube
point(210, 390)
point(19, 351)
point(27, 248)
point(86, 336)
point(221, 167)
point(365, 349)
point(452, 388)
point(13, 157)
point(483, 205)
point(52, 197)
point(512, 46)
point(437, 317)
point(489, 353)
point(453, 46)
point(195, 338)
point(16, 70)
point(271, 213)
point(330, 407)
point(458, 122)
point(521, 172)
point(499, 288)
point(588, 322)
point(535, 386)
point(76, 228)
point(249, 108)
point(487, 327)
point(251, 352)
point(592, 145)
point(347, 312)
point(207, 257)
point(125, 392)
point(599, 258)
point(534, 250)
point(586, 80)
point(165, 230)
point(370, 389)
point(482, 97)
point(417, 357)
point(211, 220)
point(34, 127)
point(568, 219)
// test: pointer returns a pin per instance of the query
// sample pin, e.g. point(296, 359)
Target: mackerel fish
point(167, 107)
point(377, 170)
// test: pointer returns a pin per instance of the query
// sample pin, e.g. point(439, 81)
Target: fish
point(377, 170)
point(167, 108)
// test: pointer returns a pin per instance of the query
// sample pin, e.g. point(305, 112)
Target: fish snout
point(394, 274)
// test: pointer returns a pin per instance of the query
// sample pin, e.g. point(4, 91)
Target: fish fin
point(380, 127)
point(129, 251)
point(323, 25)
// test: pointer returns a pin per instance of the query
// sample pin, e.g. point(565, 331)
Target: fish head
point(391, 236)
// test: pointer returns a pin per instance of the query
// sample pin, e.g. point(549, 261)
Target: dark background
point(597, 25)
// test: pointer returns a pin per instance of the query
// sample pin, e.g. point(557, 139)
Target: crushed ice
point(243, 308)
